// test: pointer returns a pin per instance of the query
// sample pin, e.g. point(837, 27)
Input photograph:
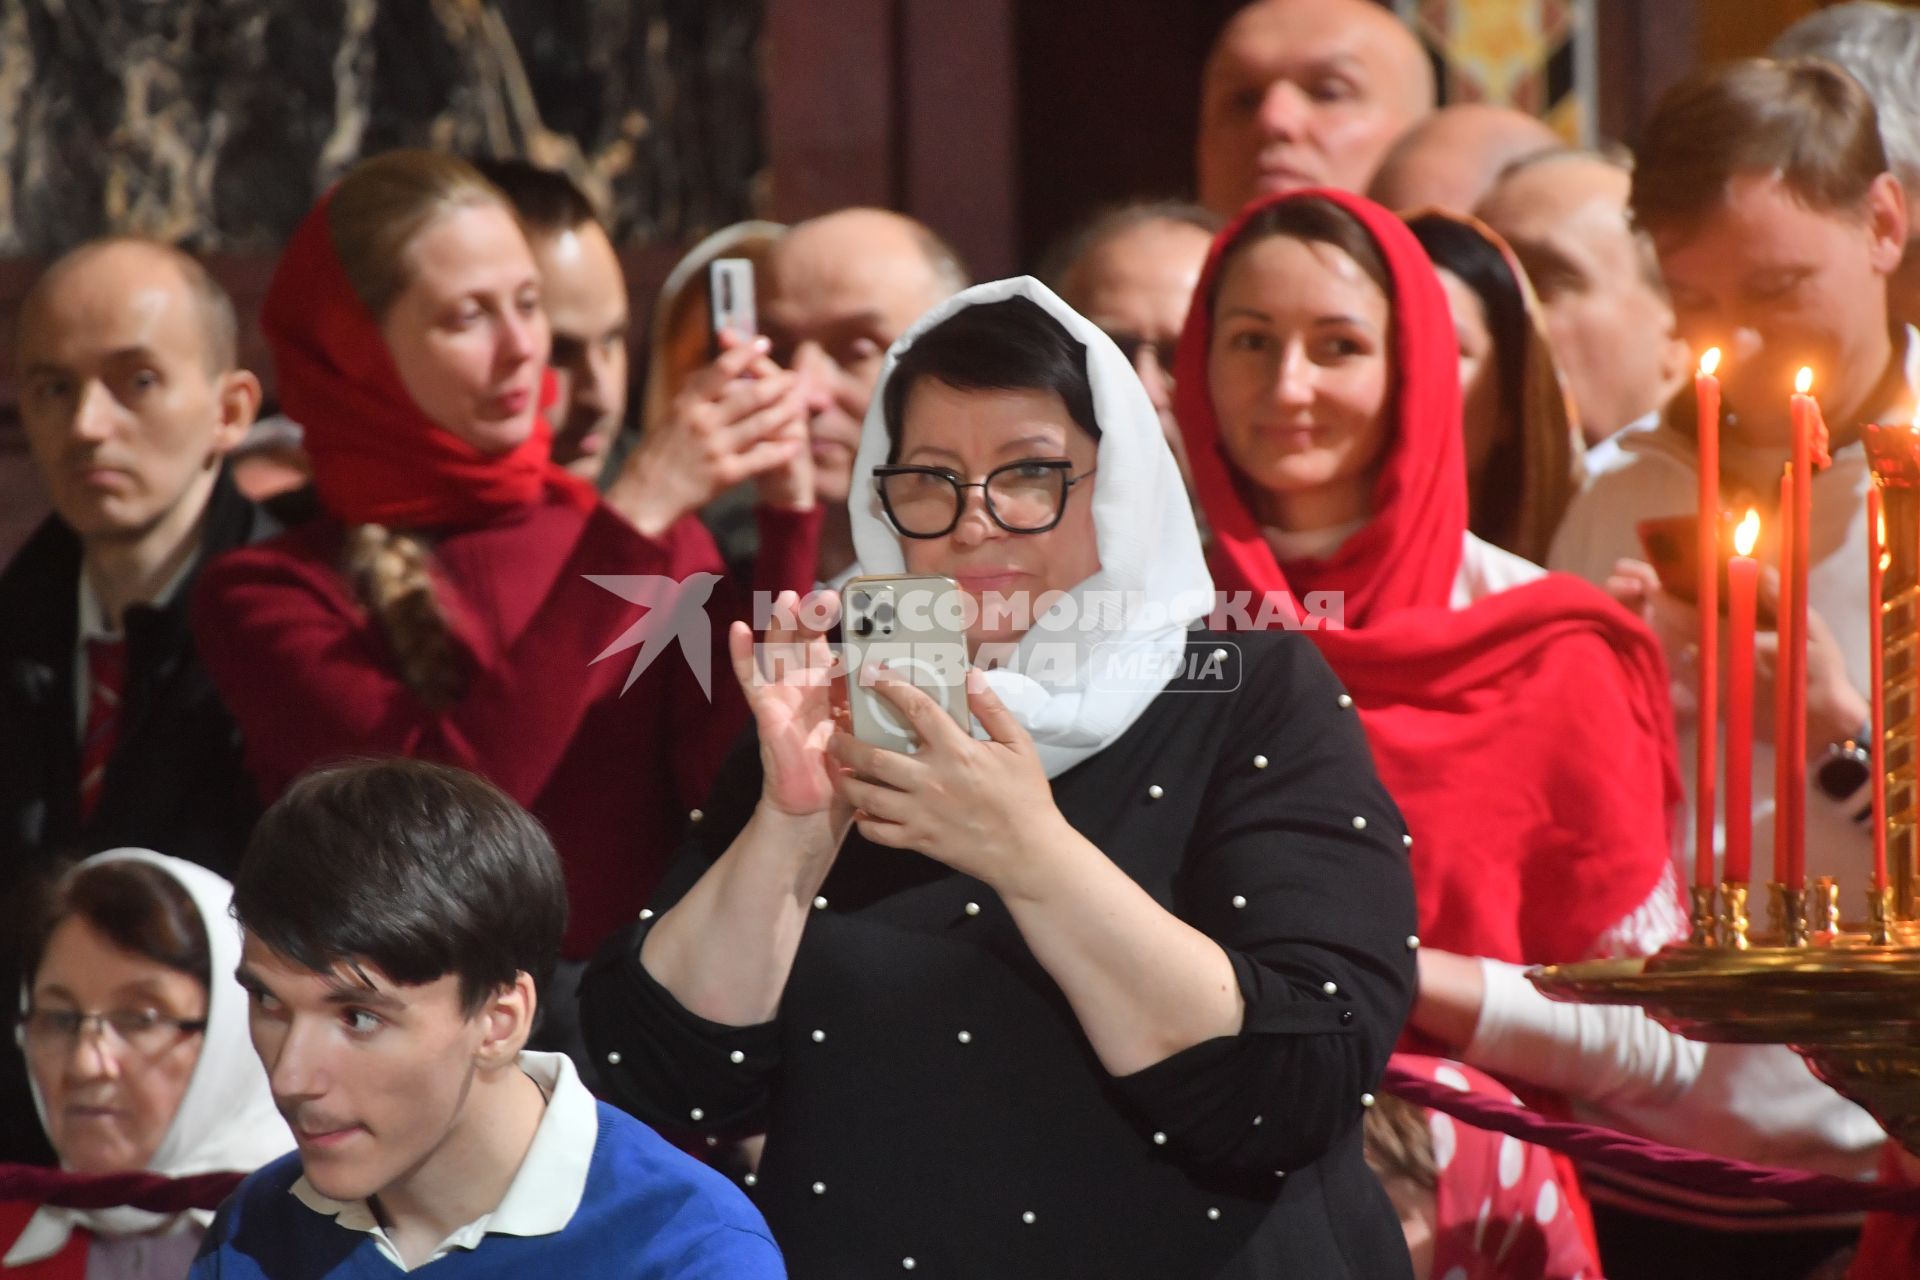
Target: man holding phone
point(1767, 194)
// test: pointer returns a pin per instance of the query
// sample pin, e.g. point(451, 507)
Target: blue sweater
point(649, 1213)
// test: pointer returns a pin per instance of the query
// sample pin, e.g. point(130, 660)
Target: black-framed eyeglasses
point(1028, 496)
point(143, 1030)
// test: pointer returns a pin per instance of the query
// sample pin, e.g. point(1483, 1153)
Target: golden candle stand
point(1844, 997)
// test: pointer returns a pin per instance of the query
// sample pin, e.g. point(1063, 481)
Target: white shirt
point(92, 625)
point(546, 1190)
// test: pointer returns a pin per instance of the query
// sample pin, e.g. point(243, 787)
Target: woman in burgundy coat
point(458, 596)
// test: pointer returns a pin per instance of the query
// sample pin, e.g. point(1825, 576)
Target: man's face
point(122, 414)
point(1135, 286)
point(585, 294)
point(1305, 93)
point(1611, 330)
point(841, 290)
point(373, 1080)
point(1777, 285)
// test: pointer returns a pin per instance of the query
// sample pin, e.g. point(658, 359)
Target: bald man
point(1608, 319)
point(112, 734)
point(840, 289)
point(1449, 160)
point(1132, 272)
point(1306, 93)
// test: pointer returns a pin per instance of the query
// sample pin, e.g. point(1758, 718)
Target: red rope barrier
point(136, 1189)
point(1673, 1166)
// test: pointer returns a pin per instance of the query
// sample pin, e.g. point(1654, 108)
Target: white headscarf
point(1153, 580)
point(226, 1120)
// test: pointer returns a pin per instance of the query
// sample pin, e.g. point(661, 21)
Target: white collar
point(93, 618)
point(546, 1189)
point(1087, 668)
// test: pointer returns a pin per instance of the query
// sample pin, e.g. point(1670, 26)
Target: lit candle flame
point(1709, 362)
point(1803, 380)
point(1886, 552)
point(1747, 536)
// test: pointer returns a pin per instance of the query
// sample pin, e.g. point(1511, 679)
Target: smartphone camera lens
point(883, 615)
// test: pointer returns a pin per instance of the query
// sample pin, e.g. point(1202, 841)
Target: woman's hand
point(983, 808)
point(739, 417)
point(789, 683)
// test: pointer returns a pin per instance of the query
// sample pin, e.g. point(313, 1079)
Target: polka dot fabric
point(1500, 1211)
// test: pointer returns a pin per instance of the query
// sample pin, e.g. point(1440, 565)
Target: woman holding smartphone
point(443, 606)
point(1099, 989)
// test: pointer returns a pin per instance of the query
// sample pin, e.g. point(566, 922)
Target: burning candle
point(1782, 689)
point(1806, 422)
point(1877, 561)
point(1706, 389)
point(1743, 581)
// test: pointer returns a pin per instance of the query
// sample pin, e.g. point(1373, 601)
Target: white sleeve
point(1598, 1054)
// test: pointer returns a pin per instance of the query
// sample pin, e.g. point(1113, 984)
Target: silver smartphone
point(913, 627)
point(730, 299)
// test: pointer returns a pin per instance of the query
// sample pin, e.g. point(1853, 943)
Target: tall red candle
point(1805, 422)
point(1743, 581)
point(1706, 389)
point(1876, 597)
point(1782, 689)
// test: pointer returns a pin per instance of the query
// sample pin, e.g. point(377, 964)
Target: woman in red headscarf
point(456, 599)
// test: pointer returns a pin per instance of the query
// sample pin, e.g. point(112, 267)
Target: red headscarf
point(376, 457)
point(1529, 738)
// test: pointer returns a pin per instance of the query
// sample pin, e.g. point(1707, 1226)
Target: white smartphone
point(730, 299)
point(911, 626)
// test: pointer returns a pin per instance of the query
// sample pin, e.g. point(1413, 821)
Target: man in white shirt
point(399, 918)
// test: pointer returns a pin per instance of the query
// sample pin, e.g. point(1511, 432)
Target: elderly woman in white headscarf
point(1096, 989)
point(135, 1034)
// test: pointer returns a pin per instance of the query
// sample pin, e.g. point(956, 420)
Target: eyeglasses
point(146, 1031)
point(1028, 496)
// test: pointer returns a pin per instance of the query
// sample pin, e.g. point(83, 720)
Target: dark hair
point(138, 907)
point(1010, 345)
point(547, 200)
point(419, 869)
point(1058, 263)
point(1316, 220)
point(1454, 246)
point(1806, 120)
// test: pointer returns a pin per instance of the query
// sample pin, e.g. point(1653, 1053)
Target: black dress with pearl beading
point(930, 1102)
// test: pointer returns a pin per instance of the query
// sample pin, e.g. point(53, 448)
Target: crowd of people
point(437, 800)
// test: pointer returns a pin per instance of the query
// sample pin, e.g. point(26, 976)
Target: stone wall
point(215, 122)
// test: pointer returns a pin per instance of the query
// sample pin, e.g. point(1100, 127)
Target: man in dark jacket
point(110, 733)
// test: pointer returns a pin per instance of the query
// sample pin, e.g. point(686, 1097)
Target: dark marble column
point(214, 123)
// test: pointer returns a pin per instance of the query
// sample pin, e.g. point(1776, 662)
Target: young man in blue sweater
point(398, 918)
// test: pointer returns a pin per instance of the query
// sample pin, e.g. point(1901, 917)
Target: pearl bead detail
point(1155, 791)
point(1359, 823)
point(695, 816)
point(819, 1188)
point(1219, 655)
point(1029, 1217)
point(1366, 1099)
point(697, 1114)
point(1213, 1215)
point(906, 1264)
point(1259, 762)
point(613, 1058)
point(1331, 988)
point(646, 913)
point(819, 904)
point(819, 1037)
point(973, 908)
point(965, 1037)
point(1159, 1139)
point(1239, 900)
point(1413, 942)
point(752, 1179)
point(1346, 700)
point(736, 1057)
point(1407, 840)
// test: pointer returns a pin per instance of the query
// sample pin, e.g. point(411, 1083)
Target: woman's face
point(970, 433)
point(1300, 377)
point(468, 334)
point(109, 1103)
point(1479, 370)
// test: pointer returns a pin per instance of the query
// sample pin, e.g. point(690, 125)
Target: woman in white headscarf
point(136, 1040)
point(1096, 990)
